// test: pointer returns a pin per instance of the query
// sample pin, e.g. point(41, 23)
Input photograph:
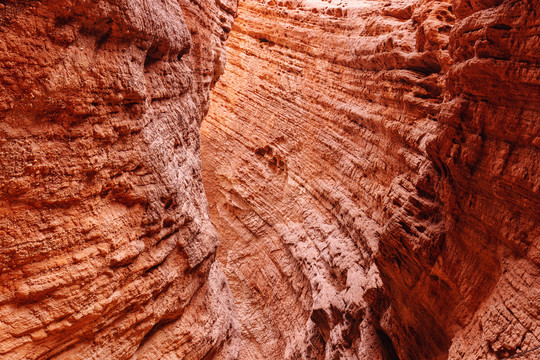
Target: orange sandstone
point(106, 248)
point(372, 169)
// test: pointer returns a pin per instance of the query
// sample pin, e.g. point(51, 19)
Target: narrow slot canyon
point(269, 179)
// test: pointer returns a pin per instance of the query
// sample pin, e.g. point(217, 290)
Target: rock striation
point(106, 248)
point(372, 169)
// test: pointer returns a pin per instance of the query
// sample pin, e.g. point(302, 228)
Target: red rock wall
point(372, 170)
point(106, 248)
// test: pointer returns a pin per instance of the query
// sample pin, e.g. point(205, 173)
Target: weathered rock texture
point(106, 248)
point(373, 172)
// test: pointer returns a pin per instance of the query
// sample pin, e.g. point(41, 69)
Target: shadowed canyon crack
point(371, 169)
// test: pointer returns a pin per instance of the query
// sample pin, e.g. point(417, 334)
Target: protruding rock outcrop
point(106, 248)
point(372, 170)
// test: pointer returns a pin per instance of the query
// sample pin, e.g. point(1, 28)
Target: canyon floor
point(270, 179)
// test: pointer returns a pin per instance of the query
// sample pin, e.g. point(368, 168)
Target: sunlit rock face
point(372, 169)
point(106, 248)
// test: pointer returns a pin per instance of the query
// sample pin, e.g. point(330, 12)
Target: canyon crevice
point(372, 171)
point(371, 168)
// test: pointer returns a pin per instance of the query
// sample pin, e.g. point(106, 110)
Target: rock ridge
point(372, 170)
point(106, 248)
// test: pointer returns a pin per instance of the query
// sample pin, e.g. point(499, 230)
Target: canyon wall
point(106, 248)
point(372, 169)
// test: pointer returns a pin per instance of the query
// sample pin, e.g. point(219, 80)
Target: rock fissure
point(371, 169)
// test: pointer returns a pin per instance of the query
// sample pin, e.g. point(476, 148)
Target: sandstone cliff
point(372, 169)
point(106, 248)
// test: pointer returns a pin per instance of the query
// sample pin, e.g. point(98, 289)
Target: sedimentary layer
point(106, 248)
point(372, 170)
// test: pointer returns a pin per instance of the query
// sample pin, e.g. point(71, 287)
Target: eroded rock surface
point(372, 170)
point(106, 248)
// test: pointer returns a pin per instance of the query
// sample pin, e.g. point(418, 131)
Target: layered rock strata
point(372, 170)
point(106, 248)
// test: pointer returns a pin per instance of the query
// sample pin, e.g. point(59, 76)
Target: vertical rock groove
point(372, 170)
